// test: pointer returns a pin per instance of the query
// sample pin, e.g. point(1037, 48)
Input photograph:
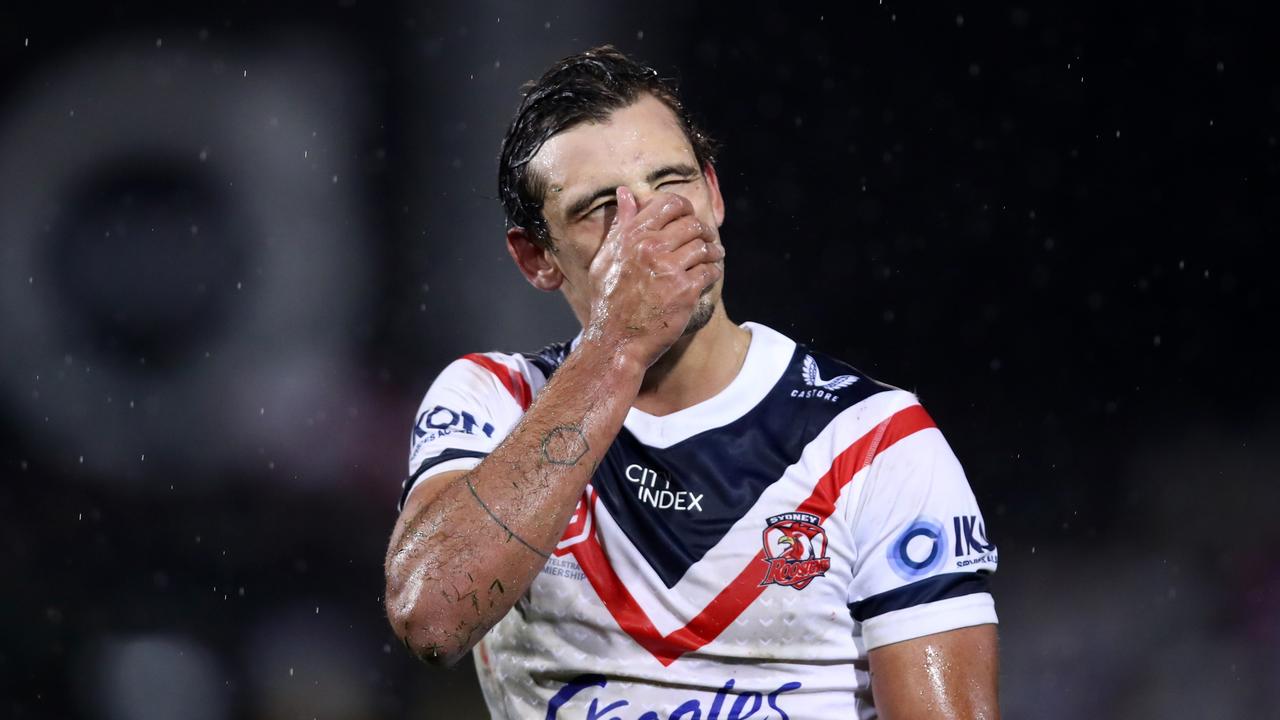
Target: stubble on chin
point(702, 313)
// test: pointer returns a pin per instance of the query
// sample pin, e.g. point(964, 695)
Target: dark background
point(238, 240)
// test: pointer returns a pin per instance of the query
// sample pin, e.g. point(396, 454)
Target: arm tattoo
point(510, 533)
point(564, 445)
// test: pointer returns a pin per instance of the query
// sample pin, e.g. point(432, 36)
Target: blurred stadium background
point(238, 240)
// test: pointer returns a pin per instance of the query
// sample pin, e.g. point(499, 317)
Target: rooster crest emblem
point(795, 549)
point(809, 368)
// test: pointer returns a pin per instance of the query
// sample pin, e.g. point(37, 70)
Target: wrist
point(618, 359)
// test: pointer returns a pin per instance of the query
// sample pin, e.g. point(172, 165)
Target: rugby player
point(673, 515)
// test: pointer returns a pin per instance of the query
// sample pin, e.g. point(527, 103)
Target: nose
point(644, 195)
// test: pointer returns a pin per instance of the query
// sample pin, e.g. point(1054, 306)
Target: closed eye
point(605, 212)
point(675, 181)
point(659, 186)
point(601, 206)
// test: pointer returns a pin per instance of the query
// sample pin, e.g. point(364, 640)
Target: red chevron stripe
point(745, 588)
point(512, 380)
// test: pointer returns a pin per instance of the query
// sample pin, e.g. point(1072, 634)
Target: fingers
point(692, 270)
point(626, 206)
point(698, 251)
point(661, 210)
point(666, 235)
point(707, 274)
point(680, 231)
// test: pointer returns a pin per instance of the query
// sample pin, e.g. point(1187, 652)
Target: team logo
point(824, 389)
point(795, 548)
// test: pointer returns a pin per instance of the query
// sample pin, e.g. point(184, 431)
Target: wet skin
point(636, 251)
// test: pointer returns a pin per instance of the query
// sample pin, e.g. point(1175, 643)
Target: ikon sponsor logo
point(919, 550)
point(925, 545)
point(654, 488)
point(795, 548)
point(971, 538)
point(440, 420)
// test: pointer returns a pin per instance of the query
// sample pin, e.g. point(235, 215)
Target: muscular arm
point(468, 545)
point(946, 676)
point(452, 569)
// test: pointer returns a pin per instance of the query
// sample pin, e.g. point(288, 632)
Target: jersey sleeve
point(923, 553)
point(467, 411)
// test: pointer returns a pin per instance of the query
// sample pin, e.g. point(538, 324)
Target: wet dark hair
point(582, 88)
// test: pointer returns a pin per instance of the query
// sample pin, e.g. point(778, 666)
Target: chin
point(701, 315)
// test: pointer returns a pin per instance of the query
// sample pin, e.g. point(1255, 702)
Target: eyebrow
point(580, 205)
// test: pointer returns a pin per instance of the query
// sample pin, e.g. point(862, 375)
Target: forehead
point(639, 137)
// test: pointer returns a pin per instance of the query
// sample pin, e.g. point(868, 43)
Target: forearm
point(459, 560)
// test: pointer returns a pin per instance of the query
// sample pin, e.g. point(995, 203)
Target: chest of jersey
point(701, 548)
point(673, 505)
point(709, 566)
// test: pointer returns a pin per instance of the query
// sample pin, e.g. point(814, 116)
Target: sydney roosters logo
point(795, 547)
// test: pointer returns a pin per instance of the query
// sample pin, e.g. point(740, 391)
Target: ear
point(534, 262)
point(713, 184)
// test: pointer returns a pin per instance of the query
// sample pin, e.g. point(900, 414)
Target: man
point(674, 516)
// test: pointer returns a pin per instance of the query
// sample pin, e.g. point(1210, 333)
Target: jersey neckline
point(768, 355)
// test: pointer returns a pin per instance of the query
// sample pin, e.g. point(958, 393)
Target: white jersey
point(736, 559)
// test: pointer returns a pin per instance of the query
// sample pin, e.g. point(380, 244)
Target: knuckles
point(646, 250)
